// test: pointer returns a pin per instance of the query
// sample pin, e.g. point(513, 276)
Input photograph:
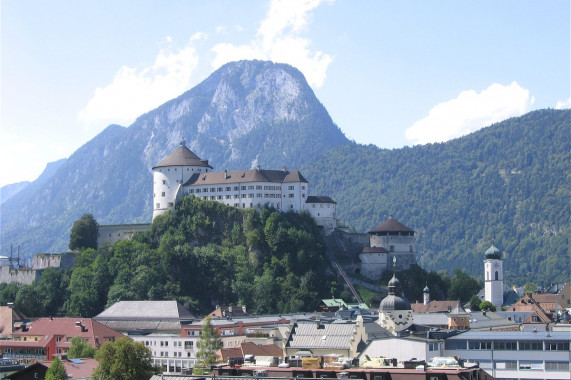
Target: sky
point(390, 73)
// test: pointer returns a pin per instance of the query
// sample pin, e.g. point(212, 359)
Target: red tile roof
point(92, 331)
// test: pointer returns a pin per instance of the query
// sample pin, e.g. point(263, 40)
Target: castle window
point(496, 276)
point(158, 205)
point(164, 182)
point(163, 194)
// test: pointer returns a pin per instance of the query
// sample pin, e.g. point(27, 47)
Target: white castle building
point(184, 173)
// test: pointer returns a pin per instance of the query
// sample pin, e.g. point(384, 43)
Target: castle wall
point(9, 275)
point(116, 232)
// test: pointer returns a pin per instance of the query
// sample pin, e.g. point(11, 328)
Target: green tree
point(475, 302)
point(80, 349)
point(56, 370)
point(529, 288)
point(124, 360)
point(84, 233)
point(487, 306)
point(208, 343)
point(463, 286)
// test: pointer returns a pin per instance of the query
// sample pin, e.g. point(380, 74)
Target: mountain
point(507, 185)
point(245, 114)
point(8, 191)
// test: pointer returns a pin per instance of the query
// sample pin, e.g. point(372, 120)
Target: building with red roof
point(43, 338)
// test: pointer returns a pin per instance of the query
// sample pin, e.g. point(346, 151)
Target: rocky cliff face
point(246, 113)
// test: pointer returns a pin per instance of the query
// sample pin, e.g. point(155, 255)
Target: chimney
point(10, 305)
point(284, 169)
point(258, 167)
point(244, 308)
point(225, 174)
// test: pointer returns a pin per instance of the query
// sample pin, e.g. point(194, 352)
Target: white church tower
point(494, 277)
point(171, 173)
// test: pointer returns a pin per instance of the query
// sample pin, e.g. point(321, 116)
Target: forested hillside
point(507, 184)
point(204, 253)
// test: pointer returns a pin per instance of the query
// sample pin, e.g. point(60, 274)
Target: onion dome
point(493, 253)
point(426, 290)
point(392, 301)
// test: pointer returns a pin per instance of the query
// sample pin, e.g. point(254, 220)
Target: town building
point(346, 338)
point(76, 369)
point(514, 355)
point(183, 173)
point(44, 338)
point(157, 324)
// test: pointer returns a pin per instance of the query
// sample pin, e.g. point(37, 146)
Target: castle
point(183, 173)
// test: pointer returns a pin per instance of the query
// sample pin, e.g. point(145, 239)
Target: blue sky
point(390, 73)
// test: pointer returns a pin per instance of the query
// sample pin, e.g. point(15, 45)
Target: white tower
point(426, 295)
point(494, 277)
point(171, 173)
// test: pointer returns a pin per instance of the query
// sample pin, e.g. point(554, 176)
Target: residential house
point(44, 338)
point(76, 369)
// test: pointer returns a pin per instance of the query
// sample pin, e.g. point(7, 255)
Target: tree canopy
point(84, 233)
point(56, 370)
point(124, 360)
point(80, 349)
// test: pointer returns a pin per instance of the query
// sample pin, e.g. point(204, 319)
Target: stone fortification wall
point(9, 275)
point(46, 260)
point(109, 234)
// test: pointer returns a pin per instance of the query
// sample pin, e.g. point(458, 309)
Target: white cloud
point(469, 112)
point(135, 91)
point(563, 104)
point(279, 39)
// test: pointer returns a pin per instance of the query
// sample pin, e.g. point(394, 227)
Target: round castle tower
point(494, 276)
point(171, 173)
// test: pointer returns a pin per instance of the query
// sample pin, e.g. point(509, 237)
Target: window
point(557, 366)
point(505, 346)
point(479, 345)
point(496, 275)
point(290, 187)
point(557, 346)
point(228, 188)
point(455, 345)
point(242, 187)
point(163, 194)
point(531, 346)
point(506, 364)
point(164, 182)
point(188, 345)
point(526, 365)
point(291, 195)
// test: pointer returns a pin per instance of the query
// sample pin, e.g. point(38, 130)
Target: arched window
point(496, 275)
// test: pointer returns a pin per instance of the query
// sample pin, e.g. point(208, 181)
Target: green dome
point(493, 253)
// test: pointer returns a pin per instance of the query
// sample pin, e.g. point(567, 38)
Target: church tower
point(171, 173)
point(395, 313)
point(494, 277)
